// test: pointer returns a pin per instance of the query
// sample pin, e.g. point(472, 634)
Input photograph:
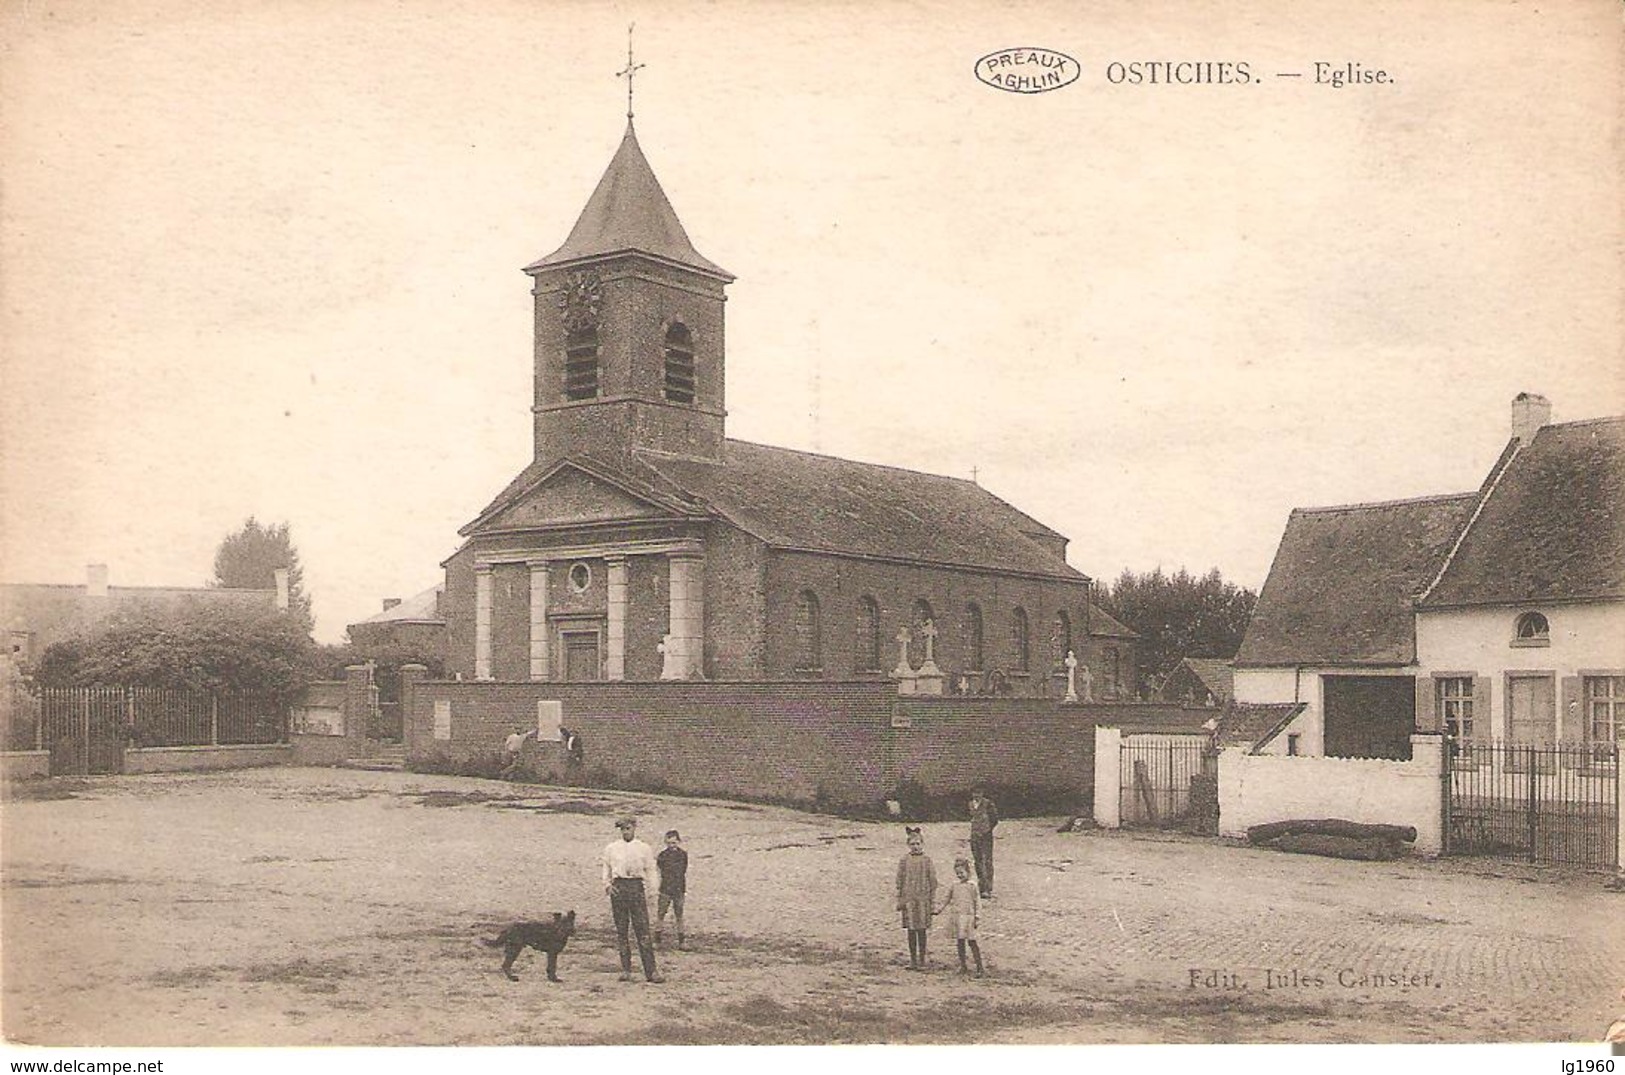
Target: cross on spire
point(629, 70)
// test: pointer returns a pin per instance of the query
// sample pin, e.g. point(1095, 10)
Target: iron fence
point(1546, 803)
point(1169, 781)
point(86, 729)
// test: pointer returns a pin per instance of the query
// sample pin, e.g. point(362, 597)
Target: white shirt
point(631, 858)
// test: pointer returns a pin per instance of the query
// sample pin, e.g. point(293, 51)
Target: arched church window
point(679, 364)
point(581, 364)
point(807, 635)
point(866, 651)
point(1020, 649)
point(1060, 639)
point(971, 651)
point(916, 628)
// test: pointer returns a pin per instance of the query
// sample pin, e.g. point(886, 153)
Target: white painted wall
point(1258, 789)
point(1585, 639)
point(1266, 685)
point(1108, 778)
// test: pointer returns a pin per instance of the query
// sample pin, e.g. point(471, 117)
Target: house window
point(1532, 630)
point(1292, 740)
point(866, 653)
point(580, 577)
point(916, 640)
point(1020, 650)
point(971, 651)
point(1456, 711)
point(581, 365)
point(807, 655)
point(1113, 671)
point(1605, 708)
point(1060, 640)
point(679, 364)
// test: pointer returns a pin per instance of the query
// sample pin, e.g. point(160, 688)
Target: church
point(641, 543)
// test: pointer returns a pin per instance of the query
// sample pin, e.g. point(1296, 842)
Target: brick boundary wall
point(848, 745)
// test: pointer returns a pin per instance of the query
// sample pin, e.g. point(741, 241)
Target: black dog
point(549, 937)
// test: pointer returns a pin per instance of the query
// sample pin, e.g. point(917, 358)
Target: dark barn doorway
point(1369, 716)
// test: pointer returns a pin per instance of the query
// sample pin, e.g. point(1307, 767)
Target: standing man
point(629, 872)
point(983, 817)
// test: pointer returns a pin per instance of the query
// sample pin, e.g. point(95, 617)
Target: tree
point(191, 646)
point(1180, 615)
point(249, 559)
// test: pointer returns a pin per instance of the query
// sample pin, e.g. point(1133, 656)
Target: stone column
point(1108, 777)
point(1619, 802)
point(357, 708)
point(411, 676)
point(615, 642)
point(482, 621)
point(685, 657)
point(539, 665)
point(1427, 756)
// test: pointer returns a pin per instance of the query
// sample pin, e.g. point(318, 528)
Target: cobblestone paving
point(331, 907)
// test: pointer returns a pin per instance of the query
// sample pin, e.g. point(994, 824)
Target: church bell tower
point(628, 327)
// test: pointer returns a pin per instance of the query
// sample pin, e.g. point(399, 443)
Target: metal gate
point(1556, 804)
point(85, 729)
point(1169, 781)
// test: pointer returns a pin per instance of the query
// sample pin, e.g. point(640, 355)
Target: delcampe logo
point(1027, 70)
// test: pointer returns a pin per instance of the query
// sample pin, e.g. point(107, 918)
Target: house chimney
point(95, 580)
point(391, 602)
point(1529, 413)
point(281, 574)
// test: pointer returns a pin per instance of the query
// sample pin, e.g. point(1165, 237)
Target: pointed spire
point(629, 211)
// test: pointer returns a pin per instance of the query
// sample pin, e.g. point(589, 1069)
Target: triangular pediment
point(569, 496)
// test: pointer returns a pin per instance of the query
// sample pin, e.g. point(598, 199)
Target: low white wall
point(1258, 789)
point(181, 759)
point(1108, 778)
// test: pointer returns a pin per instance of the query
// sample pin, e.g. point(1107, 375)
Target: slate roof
point(1552, 528)
point(1102, 625)
point(629, 211)
point(800, 500)
point(419, 608)
point(1254, 725)
point(1344, 580)
point(1216, 674)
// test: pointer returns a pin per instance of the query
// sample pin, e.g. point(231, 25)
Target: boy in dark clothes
point(673, 863)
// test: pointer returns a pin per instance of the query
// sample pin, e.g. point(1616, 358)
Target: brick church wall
point(839, 583)
point(846, 744)
point(773, 741)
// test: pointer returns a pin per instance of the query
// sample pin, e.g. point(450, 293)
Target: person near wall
point(513, 752)
point(629, 872)
point(983, 817)
point(574, 751)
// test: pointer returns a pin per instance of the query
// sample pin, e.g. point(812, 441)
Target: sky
point(263, 259)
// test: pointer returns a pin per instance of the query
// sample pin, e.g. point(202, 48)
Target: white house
point(1498, 614)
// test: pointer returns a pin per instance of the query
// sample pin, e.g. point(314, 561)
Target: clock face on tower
point(580, 299)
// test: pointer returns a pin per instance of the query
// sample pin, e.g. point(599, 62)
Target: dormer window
point(679, 364)
point(581, 365)
point(1532, 630)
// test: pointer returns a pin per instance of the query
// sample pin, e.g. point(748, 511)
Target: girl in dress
point(916, 895)
point(963, 907)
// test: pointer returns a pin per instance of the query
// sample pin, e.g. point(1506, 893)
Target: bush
point(193, 646)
